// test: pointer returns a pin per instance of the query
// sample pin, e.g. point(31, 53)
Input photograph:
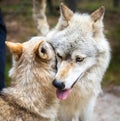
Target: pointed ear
point(98, 14)
point(43, 50)
point(97, 18)
point(15, 48)
point(66, 13)
point(65, 16)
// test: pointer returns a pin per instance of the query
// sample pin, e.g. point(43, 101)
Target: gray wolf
point(83, 55)
point(31, 96)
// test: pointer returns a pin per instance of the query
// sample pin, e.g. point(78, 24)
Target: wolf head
point(80, 46)
point(32, 72)
point(32, 54)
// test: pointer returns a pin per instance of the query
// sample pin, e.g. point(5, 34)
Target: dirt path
point(108, 106)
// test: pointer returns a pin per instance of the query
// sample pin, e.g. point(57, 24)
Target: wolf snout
point(58, 85)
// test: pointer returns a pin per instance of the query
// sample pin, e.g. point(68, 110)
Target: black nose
point(58, 85)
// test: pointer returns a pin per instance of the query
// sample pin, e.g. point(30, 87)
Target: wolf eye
point(79, 59)
point(59, 55)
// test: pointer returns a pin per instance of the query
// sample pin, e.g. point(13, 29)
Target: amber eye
point(59, 56)
point(79, 59)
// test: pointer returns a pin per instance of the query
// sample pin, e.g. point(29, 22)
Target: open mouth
point(63, 94)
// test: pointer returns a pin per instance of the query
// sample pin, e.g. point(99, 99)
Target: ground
point(108, 105)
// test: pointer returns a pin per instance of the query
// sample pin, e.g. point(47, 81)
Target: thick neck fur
point(90, 83)
point(27, 89)
point(31, 86)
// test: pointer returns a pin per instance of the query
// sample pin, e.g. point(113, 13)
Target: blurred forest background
point(20, 27)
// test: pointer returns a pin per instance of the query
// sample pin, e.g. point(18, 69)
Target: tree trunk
point(116, 3)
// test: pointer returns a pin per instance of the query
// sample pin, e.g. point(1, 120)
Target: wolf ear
point(65, 16)
point(98, 14)
point(66, 13)
point(15, 48)
point(43, 50)
point(97, 18)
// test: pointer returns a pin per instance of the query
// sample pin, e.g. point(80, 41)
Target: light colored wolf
point(83, 55)
point(31, 96)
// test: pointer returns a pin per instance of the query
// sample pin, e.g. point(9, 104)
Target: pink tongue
point(63, 94)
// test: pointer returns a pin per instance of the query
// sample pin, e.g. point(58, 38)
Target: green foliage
point(112, 76)
point(93, 4)
point(115, 33)
point(7, 78)
point(23, 7)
